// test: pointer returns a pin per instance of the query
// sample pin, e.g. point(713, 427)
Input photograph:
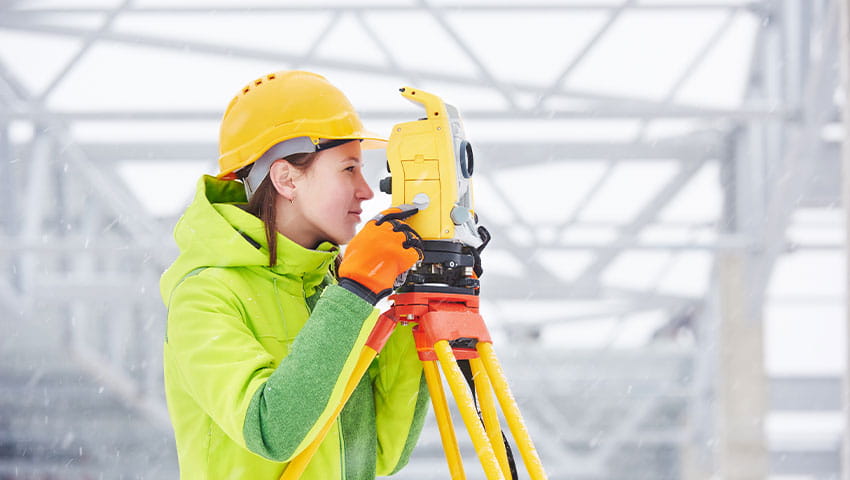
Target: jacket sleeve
point(401, 400)
point(273, 412)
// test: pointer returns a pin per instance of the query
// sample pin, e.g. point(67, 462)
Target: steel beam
point(844, 66)
point(87, 43)
point(741, 395)
point(235, 9)
point(9, 190)
point(105, 182)
point(598, 109)
point(591, 274)
point(613, 15)
point(491, 155)
point(787, 186)
point(254, 53)
point(37, 197)
point(763, 121)
point(695, 62)
point(484, 73)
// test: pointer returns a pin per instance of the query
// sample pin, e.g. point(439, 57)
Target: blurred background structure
point(667, 279)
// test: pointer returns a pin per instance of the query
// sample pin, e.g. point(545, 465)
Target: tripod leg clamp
point(381, 332)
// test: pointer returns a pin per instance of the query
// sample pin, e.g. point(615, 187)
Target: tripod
point(441, 297)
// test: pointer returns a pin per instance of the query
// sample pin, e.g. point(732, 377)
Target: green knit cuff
point(287, 406)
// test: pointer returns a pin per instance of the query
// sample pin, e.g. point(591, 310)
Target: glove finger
point(408, 231)
point(412, 239)
point(413, 242)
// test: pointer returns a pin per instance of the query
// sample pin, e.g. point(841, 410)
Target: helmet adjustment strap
point(333, 143)
point(259, 170)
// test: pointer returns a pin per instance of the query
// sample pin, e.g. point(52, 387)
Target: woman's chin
point(344, 237)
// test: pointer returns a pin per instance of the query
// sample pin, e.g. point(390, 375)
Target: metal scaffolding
point(83, 254)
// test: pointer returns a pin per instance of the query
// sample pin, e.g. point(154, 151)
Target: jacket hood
point(212, 233)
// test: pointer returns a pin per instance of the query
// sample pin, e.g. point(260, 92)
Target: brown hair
point(263, 203)
point(263, 206)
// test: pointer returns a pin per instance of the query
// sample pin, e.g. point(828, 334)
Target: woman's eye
point(350, 169)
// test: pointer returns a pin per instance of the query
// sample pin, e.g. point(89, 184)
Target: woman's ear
point(281, 173)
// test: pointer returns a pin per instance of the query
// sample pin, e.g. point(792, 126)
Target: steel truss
point(81, 249)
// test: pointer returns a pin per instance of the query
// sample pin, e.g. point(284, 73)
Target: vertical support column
point(38, 198)
point(8, 187)
point(86, 332)
point(844, 52)
point(741, 392)
point(741, 385)
point(795, 34)
point(698, 462)
point(701, 457)
point(8, 217)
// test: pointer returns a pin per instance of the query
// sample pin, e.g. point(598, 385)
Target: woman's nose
point(364, 192)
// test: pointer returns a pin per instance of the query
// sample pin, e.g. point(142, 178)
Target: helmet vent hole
point(271, 77)
point(258, 81)
point(246, 89)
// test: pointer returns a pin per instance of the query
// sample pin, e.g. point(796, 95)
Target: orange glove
point(384, 249)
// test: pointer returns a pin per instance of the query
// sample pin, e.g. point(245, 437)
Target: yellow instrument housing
point(421, 157)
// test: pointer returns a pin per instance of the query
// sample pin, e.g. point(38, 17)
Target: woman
point(261, 335)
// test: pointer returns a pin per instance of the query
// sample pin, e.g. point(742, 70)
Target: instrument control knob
point(460, 215)
point(386, 185)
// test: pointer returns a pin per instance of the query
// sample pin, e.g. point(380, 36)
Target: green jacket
point(256, 358)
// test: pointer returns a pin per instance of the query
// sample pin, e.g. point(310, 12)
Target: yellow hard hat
point(285, 105)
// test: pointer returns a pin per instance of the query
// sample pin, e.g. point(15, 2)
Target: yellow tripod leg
point(511, 411)
point(489, 413)
point(444, 420)
point(466, 406)
point(298, 464)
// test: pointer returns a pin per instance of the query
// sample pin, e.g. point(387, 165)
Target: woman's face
point(329, 193)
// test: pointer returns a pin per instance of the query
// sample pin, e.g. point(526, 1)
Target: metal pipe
point(844, 49)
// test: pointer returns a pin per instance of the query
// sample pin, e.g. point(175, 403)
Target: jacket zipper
point(277, 302)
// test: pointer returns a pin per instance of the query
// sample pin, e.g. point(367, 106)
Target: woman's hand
point(385, 248)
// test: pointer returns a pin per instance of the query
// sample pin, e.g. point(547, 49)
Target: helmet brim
point(371, 140)
point(368, 141)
